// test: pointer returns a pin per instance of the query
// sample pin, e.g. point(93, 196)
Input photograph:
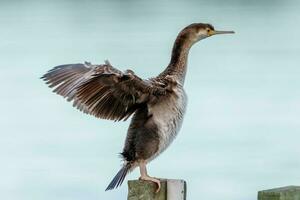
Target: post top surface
point(161, 180)
point(283, 189)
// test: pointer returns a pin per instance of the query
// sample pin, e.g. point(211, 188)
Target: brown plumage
point(157, 104)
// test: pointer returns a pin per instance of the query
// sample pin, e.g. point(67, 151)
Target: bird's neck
point(178, 63)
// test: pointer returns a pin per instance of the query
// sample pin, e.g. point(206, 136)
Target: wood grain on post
point(145, 190)
point(283, 193)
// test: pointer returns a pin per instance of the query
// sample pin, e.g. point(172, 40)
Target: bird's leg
point(145, 176)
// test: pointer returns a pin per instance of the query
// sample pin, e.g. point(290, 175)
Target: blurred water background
point(241, 131)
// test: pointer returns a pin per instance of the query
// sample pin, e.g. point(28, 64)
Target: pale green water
point(241, 131)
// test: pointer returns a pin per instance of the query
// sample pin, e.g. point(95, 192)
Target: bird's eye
point(208, 30)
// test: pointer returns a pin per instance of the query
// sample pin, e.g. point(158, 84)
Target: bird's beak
point(222, 32)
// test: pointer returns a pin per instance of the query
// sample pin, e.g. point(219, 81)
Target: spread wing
point(102, 90)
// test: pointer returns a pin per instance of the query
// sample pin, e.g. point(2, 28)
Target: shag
point(157, 105)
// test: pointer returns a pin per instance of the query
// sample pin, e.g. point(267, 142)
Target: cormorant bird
point(157, 104)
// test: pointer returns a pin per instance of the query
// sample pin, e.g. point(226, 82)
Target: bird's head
point(199, 31)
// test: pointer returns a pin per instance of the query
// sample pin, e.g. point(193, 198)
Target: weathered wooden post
point(283, 193)
point(144, 190)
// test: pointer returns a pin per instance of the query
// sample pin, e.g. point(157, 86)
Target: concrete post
point(144, 190)
point(283, 193)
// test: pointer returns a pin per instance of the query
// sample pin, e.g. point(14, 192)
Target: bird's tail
point(119, 177)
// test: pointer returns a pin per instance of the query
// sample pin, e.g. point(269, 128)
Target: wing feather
point(102, 90)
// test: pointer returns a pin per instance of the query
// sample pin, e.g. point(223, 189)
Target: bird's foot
point(148, 178)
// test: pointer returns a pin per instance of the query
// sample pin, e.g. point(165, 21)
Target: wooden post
point(145, 190)
point(283, 193)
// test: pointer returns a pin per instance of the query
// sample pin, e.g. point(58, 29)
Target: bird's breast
point(168, 114)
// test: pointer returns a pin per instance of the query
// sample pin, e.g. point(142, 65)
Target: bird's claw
point(148, 178)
